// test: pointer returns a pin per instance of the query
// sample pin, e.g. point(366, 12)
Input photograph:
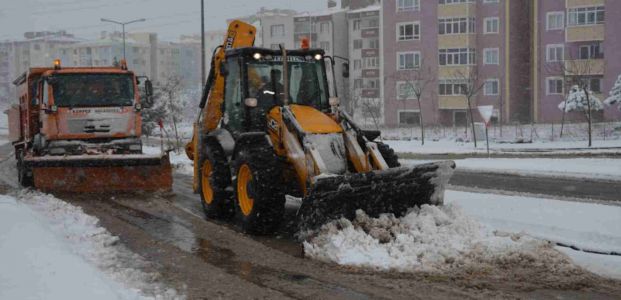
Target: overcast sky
point(169, 18)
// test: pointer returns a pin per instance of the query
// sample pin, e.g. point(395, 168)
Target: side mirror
point(223, 70)
point(345, 70)
point(148, 91)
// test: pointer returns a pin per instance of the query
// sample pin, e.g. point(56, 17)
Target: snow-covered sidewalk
point(50, 249)
point(549, 148)
point(592, 168)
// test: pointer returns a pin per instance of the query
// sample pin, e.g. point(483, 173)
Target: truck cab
point(85, 111)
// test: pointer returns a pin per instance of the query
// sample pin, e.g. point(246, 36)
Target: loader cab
point(255, 83)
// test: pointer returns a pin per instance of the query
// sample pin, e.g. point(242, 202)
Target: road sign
point(486, 112)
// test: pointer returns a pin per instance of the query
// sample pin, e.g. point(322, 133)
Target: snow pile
point(430, 238)
point(577, 101)
point(83, 236)
point(179, 161)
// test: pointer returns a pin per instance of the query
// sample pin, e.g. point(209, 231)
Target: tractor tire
point(214, 180)
point(389, 155)
point(259, 190)
point(24, 174)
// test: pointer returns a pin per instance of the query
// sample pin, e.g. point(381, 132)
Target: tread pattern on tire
point(268, 191)
point(221, 206)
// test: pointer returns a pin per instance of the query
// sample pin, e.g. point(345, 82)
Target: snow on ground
point(474, 230)
point(50, 249)
point(453, 147)
point(180, 161)
point(594, 168)
point(433, 239)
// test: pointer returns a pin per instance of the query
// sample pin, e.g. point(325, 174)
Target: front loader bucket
point(102, 173)
point(390, 191)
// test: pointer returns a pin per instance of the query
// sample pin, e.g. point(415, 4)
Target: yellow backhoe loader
point(268, 126)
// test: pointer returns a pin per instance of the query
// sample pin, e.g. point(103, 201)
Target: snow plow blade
point(392, 191)
point(102, 173)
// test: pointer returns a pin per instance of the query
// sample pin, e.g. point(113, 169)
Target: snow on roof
point(366, 9)
point(326, 12)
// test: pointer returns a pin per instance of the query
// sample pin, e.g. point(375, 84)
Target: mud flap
point(96, 174)
point(390, 191)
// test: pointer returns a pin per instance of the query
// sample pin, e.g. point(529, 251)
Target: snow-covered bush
point(615, 94)
point(577, 101)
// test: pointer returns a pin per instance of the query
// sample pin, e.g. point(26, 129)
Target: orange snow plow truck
point(78, 130)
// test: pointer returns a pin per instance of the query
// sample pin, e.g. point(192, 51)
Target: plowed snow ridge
point(431, 238)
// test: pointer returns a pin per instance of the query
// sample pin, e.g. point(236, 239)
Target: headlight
point(257, 56)
point(318, 57)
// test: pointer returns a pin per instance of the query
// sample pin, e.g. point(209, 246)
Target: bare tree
point(170, 94)
point(415, 84)
point(578, 74)
point(470, 85)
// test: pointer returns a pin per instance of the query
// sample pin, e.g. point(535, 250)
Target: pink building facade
point(499, 48)
point(574, 38)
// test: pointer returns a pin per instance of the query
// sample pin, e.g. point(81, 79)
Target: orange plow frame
point(125, 173)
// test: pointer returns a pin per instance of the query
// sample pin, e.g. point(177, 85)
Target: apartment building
point(364, 100)
point(449, 45)
point(36, 49)
point(274, 26)
point(145, 55)
point(574, 39)
point(326, 30)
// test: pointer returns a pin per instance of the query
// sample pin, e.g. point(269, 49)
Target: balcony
point(370, 52)
point(585, 33)
point(583, 3)
point(456, 41)
point(370, 93)
point(370, 73)
point(452, 102)
point(370, 33)
point(585, 67)
point(458, 71)
point(456, 10)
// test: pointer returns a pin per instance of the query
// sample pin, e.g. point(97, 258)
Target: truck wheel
point(258, 185)
point(214, 177)
point(24, 174)
point(389, 155)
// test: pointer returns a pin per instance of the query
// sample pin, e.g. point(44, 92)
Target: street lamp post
point(123, 26)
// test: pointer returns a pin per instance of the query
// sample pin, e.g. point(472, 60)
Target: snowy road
point(212, 259)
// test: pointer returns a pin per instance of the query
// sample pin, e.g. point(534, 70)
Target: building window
point(370, 23)
point(275, 46)
point(456, 25)
point(408, 60)
point(451, 87)
point(357, 44)
point(356, 25)
point(490, 1)
point(357, 64)
point(374, 44)
point(457, 56)
point(409, 117)
point(408, 31)
point(585, 16)
point(405, 90)
point(593, 51)
point(277, 30)
point(325, 46)
point(555, 20)
point(372, 84)
point(491, 25)
point(370, 63)
point(595, 85)
point(554, 86)
point(455, 1)
point(555, 53)
point(408, 5)
point(324, 27)
point(358, 83)
point(491, 56)
point(491, 87)
point(36, 47)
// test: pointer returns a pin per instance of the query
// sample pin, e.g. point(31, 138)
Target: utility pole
point(123, 26)
point(203, 46)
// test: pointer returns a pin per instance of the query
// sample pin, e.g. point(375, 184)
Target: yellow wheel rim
point(205, 184)
point(244, 177)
